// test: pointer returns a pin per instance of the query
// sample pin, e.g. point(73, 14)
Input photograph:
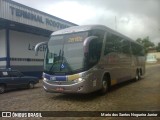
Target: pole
point(115, 23)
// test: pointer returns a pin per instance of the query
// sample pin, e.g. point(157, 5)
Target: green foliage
point(146, 43)
point(158, 47)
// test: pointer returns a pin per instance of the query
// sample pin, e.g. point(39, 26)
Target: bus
point(88, 58)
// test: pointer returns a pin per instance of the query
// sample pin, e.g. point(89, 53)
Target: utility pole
point(115, 23)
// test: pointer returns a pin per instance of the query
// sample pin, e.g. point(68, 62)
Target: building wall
point(2, 48)
point(22, 53)
point(157, 54)
point(22, 44)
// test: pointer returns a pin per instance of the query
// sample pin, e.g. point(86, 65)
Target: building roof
point(14, 15)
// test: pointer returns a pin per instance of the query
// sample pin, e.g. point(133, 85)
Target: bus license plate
point(59, 89)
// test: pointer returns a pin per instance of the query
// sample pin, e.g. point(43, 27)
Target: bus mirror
point(87, 41)
point(38, 45)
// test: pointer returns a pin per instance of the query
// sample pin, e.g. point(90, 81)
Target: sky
point(133, 18)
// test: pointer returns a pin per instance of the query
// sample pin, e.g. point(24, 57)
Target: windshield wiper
point(55, 61)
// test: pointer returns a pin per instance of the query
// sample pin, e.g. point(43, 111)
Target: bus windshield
point(65, 53)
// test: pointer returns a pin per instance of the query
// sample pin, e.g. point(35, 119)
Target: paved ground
point(143, 95)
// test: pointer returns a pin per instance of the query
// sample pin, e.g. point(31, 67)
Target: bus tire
point(138, 75)
point(105, 85)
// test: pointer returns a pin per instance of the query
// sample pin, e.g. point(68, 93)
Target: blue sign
point(62, 66)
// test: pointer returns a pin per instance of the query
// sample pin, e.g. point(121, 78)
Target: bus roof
point(78, 29)
point(90, 27)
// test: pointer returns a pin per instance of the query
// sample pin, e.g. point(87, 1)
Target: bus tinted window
point(137, 49)
point(109, 46)
point(113, 44)
point(117, 42)
point(126, 47)
point(98, 33)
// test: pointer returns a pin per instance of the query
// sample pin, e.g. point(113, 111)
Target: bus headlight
point(44, 79)
point(79, 80)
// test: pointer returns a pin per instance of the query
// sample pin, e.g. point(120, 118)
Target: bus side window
point(113, 44)
point(109, 45)
point(126, 47)
point(137, 50)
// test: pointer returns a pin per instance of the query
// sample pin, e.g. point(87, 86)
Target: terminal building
point(21, 28)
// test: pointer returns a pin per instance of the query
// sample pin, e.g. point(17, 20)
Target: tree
point(158, 47)
point(139, 40)
point(146, 43)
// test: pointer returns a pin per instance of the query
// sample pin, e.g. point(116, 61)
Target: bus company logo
point(6, 114)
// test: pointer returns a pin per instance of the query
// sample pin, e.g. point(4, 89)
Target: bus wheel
point(138, 75)
point(105, 86)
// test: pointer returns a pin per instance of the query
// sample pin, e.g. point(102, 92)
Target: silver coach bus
point(84, 59)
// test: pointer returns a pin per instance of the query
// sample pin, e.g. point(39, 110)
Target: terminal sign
point(37, 18)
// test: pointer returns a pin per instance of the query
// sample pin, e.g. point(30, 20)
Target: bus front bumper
point(81, 87)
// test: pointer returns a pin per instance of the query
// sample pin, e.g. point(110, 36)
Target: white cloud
point(71, 11)
point(135, 18)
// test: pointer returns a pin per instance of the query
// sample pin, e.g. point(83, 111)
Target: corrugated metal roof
point(13, 11)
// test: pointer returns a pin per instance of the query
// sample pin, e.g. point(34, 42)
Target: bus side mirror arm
point(87, 41)
point(38, 45)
